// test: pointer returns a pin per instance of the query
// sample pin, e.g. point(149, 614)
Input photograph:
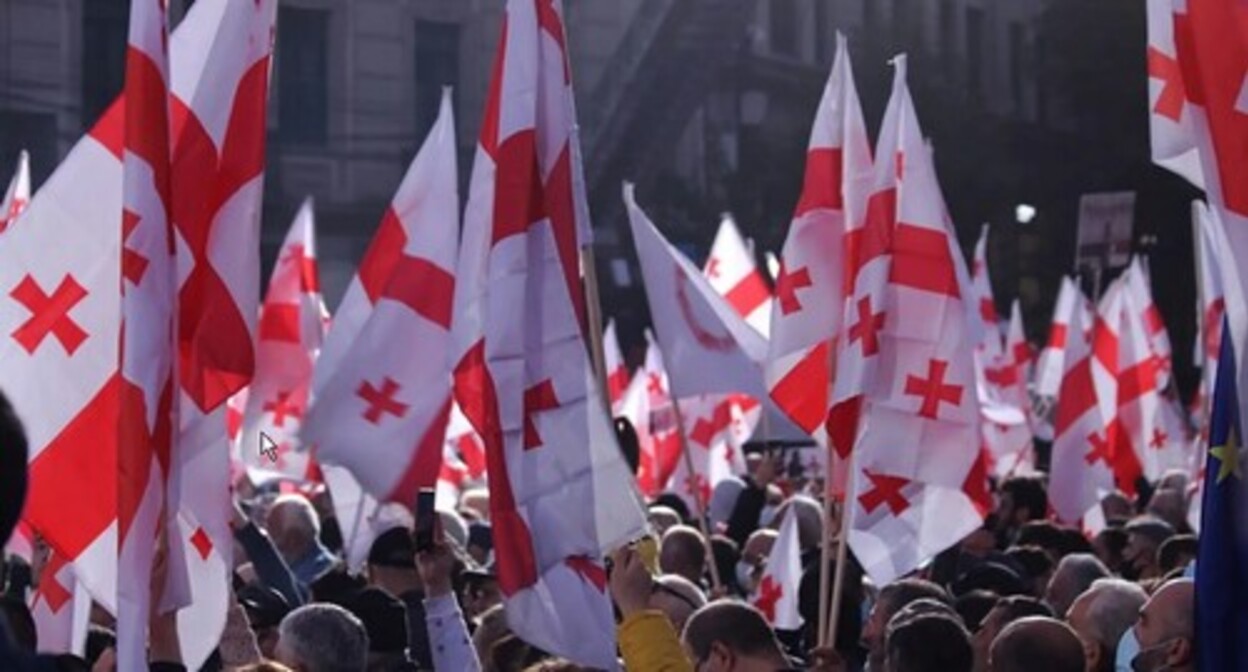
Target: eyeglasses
point(657, 587)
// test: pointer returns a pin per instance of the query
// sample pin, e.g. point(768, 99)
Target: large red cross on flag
point(777, 592)
point(526, 220)
point(380, 412)
point(920, 423)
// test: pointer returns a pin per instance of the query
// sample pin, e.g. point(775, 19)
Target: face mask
point(745, 576)
point(1128, 649)
point(1150, 659)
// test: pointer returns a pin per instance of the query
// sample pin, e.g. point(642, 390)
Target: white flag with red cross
point(807, 318)
point(1115, 380)
point(17, 195)
point(986, 305)
point(292, 328)
point(1212, 305)
point(1080, 471)
point(60, 319)
point(919, 437)
point(777, 592)
point(1210, 57)
point(148, 303)
point(1050, 365)
point(648, 406)
point(732, 272)
point(381, 412)
point(561, 495)
point(219, 112)
point(1143, 426)
point(1157, 339)
point(1173, 118)
point(463, 461)
point(716, 429)
point(707, 347)
point(1001, 380)
point(618, 376)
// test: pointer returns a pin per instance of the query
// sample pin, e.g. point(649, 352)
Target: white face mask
point(1128, 649)
point(745, 576)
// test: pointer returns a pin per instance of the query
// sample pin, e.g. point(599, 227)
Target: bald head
point(1101, 615)
point(809, 520)
point(678, 598)
point(1166, 626)
point(1074, 574)
point(1037, 644)
point(683, 552)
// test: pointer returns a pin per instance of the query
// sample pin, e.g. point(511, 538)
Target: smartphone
point(426, 521)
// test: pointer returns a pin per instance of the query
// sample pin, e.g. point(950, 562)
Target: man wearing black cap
point(385, 621)
point(392, 568)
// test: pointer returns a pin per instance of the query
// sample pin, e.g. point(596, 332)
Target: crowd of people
point(1020, 594)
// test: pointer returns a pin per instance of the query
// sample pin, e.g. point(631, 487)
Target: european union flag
point(1222, 565)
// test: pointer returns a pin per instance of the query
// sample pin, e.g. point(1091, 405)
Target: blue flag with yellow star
point(1222, 563)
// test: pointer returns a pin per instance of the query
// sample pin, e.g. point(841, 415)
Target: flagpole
point(847, 524)
point(703, 523)
point(825, 553)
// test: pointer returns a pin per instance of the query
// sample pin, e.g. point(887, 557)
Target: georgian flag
point(18, 193)
point(777, 592)
point(732, 272)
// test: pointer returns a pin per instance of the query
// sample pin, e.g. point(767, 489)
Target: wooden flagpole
point(847, 524)
point(593, 323)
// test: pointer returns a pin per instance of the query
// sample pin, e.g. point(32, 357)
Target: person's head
point(683, 552)
point(1036, 565)
point(1144, 536)
point(728, 635)
point(293, 525)
point(322, 638)
point(392, 562)
point(663, 518)
point(385, 621)
point(809, 520)
point(1099, 617)
point(630, 445)
point(265, 610)
point(674, 502)
point(995, 576)
point(726, 554)
point(1117, 507)
point(1042, 533)
point(1166, 629)
point(1169, 505)
point(754, 556)
point(1022, 499)
point(1109, 545)
point(723, 501)
point(1174, 479)
point(1004, 612)
point(1036, 644)
point(12, 469)
point(21, 624)
point(1074, 574)
point(1177, 552)
point(892, 599)
point(264, 666)
point(973, 607)
point(928, 642)
point(677, 597)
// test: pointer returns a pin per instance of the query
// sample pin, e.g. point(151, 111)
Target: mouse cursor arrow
point(267, 447)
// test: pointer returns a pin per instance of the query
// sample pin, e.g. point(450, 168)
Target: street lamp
point(1024, 213)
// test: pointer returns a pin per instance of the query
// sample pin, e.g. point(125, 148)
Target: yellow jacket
point(649, 644)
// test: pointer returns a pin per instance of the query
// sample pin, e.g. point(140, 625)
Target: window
point(1017, 45)
point(302, 76)
point(105, 31)
point(437, 65)
point(975, 52)
point(783, 22)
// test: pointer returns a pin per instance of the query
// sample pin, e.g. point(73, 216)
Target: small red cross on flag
point(867, 329)
point(381, 400)
point(885, 490)
point(933, 389)
point(537, 399)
